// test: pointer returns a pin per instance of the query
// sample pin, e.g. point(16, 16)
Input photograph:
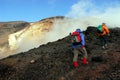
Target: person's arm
point(106, 29)
point(82, 39)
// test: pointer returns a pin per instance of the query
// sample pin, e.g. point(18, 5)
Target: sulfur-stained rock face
point(53, 61)
point(7, 28)
point(14, 34)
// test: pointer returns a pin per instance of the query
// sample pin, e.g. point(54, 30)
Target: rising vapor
point(95, 13)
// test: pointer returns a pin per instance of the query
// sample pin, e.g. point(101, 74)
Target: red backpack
point(76, 37)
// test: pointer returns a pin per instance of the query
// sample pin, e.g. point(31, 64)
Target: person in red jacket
point(102, 32)
point(79, 47)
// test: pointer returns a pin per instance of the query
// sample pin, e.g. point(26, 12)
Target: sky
point(35, 10)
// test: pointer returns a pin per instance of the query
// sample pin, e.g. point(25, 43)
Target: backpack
point(99, 29)
point(76, 38)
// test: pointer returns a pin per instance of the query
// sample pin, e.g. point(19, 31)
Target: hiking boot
point(106, 46)
point(84, 61)
point(103, 47)
point(75, 64)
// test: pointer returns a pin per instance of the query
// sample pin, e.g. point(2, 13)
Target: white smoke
point(27, 38)
point(62, 28)
point(95, 13)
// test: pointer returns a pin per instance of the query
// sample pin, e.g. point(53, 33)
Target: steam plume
point(95, 13)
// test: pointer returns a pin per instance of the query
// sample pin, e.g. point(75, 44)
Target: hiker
point(103, 32)
point(78, 46)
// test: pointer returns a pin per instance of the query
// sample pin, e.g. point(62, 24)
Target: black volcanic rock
point(52, 18)
point(6, 70)
point(53, 61)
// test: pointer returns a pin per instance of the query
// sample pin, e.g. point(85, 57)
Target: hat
point(78, 30)
point(103, 23)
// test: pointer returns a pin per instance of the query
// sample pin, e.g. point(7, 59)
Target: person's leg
point(75, 58)
point(84, 52)
point(105, 41)
point(102, 42)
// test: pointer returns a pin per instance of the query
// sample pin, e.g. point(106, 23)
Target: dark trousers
point(103, 40)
